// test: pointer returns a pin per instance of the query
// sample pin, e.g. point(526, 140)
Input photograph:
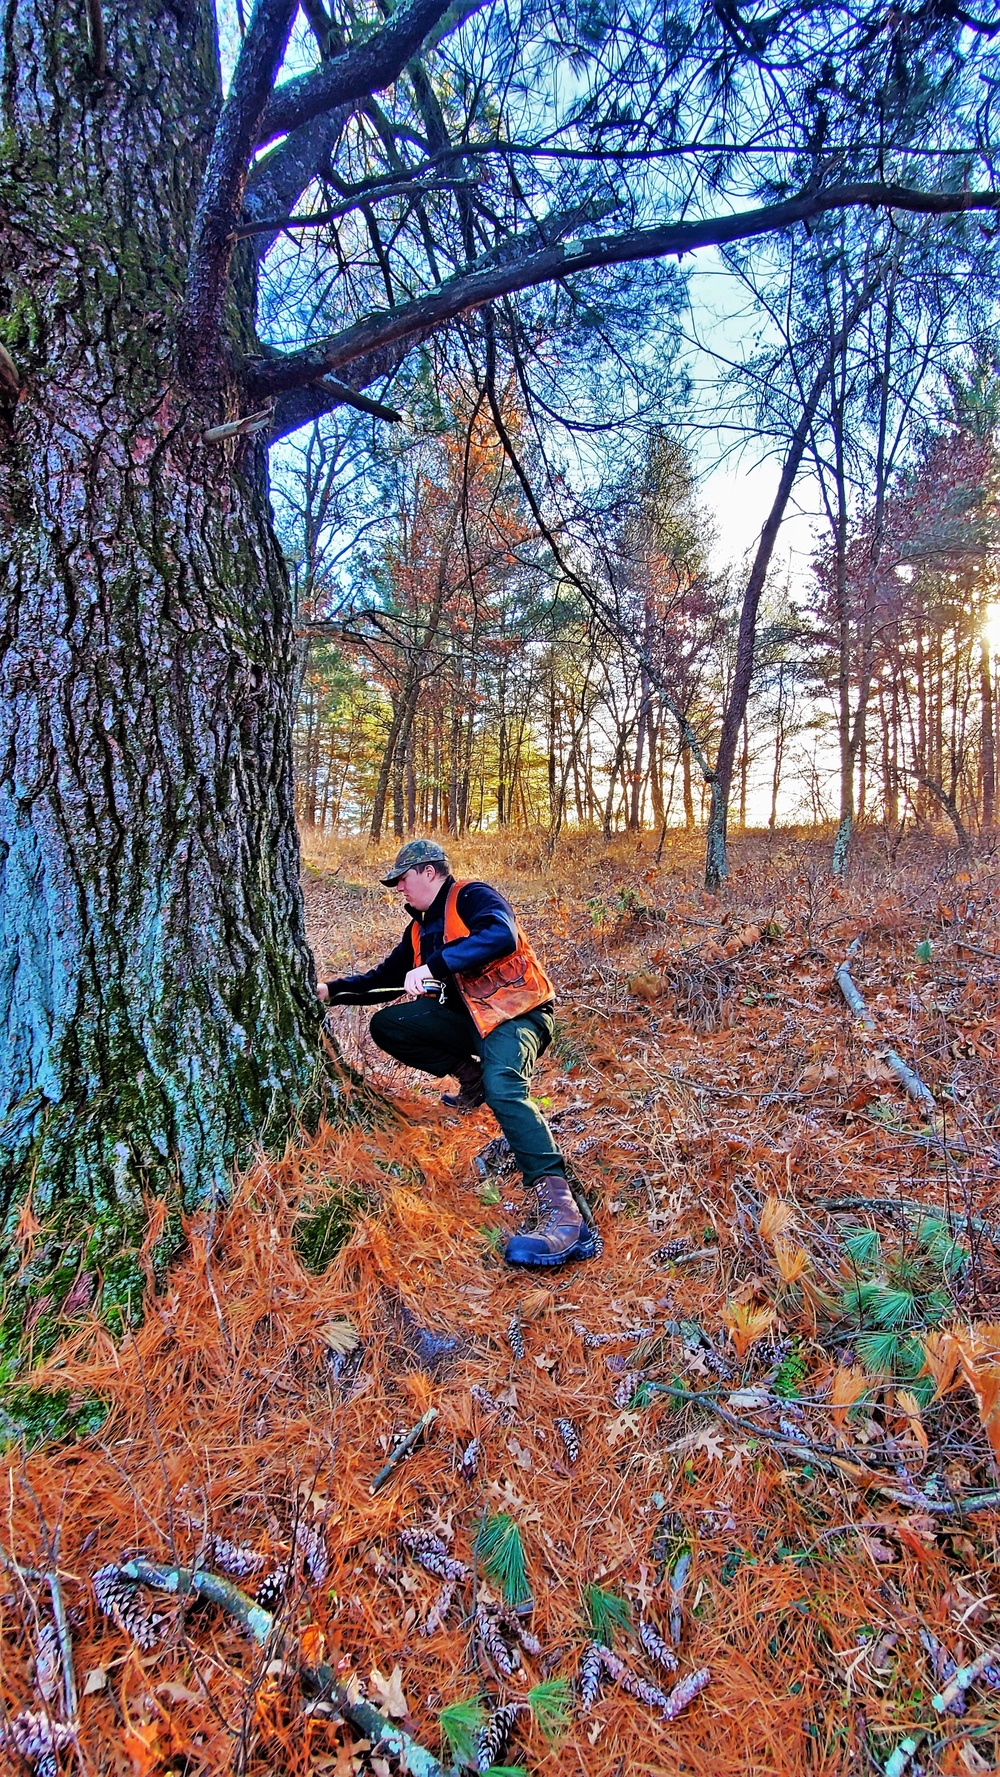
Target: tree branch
point(605, 615)
point(278, 180)
point(298, 406)
point(515, 267)
point(271, 225)
point(221, 195)
point(363, 69)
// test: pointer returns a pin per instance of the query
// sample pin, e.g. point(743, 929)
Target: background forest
point(467, 667)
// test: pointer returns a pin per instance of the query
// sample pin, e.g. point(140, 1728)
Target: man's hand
point(321, 993)
point(417, 982)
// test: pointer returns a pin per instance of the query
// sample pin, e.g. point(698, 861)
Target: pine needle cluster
point(894, 1294)
point(499, 1548)
point(606, 1613)
point(460, 1724)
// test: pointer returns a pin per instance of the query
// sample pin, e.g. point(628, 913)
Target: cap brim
point(391, 881)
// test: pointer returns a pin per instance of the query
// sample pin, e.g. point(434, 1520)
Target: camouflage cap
point(412, 857)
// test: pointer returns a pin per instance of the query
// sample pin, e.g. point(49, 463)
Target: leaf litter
point(800, 1485)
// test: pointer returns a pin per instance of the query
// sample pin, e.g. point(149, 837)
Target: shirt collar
point(437, 902)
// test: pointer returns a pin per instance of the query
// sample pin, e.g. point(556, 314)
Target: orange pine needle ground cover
point(709, 1093)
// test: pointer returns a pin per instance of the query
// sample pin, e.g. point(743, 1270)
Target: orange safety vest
point(502, 989)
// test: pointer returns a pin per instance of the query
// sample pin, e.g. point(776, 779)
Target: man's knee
point(502, 1083)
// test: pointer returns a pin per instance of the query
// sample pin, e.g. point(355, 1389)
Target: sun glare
point(991, 628)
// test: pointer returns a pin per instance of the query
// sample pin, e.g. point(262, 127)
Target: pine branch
point(364, 68)
point(521, 268)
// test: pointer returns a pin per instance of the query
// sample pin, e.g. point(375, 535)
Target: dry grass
point(809, 1586)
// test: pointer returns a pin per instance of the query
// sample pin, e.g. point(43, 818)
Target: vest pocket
point(508, 971)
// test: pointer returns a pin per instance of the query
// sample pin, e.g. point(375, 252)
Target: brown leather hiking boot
point(470, 1094)
point(561, 1232)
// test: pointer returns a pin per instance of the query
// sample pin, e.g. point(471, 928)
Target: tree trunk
point(744, 773)
point(385, 772)
point(156, 988)
point(686, 786)
point(656, 770)
point(987, 751)
point(716, 863)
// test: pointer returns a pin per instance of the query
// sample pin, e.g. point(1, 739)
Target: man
point(478, 1005)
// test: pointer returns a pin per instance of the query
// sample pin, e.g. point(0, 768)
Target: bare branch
point(322, 398)
point(515, 267)
point(402, 188)
point(298, 406)
point(363, 69)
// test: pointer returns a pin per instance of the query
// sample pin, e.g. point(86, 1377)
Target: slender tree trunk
point(779, 750)
point(656, 770)
point(716, 862)
point(845, 825)
point(986, 746)
point(744, 773)
point(385, 771)
point(686, 788)
point(156, 988)
point(635, 806)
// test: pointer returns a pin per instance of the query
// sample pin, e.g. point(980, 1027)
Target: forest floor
point(782, 1372)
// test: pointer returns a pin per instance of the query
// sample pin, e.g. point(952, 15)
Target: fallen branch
point(403, 1448)
point(71, 1704)
point(964, 1677)
point(384, 1735)
point(825, 1454)
point(196, 1581)
point(907, 1206)
point(897, 1761)
point(912, 1083)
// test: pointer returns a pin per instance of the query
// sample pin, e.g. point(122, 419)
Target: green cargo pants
point(426, 1035)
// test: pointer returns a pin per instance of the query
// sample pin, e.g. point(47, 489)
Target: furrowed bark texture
point(155, 985)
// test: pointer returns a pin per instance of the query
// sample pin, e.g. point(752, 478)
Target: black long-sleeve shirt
point(492, 934)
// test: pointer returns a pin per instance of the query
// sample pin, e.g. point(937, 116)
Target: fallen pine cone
point(433, 1556)
point(627, 1387)
point(591, 1667)
point(570, 1437)
point(658, 1650)
point(121, 1600)
point(685, 1692)
point(236, 1559)
point(469, 1460)
point(515, 1338)
point(495, 1733)
point(310, 1548)
point(271, 1590)
point(516, 1629)
point(435, 1618)
point(37, 1738)
point(672, 1249)
point(505, 1659)
point(631, 1682)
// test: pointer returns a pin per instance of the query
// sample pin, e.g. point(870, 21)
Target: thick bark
point(155, 984)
